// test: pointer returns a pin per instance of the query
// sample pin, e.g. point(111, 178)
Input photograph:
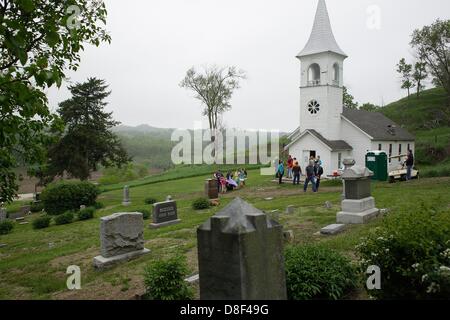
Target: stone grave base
point(357, 218)
point(357, 211)
point(126, 204)
point(163, 224)
point(101, 262)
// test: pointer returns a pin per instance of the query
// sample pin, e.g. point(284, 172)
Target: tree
point(419, 75)
point(431, 44)
point(214, 88)
point(405, 71)
point(87, 140)
point(369, 107)
point(39, 41)
point(349, 100)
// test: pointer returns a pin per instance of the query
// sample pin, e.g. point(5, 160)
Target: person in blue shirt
point(280, 172)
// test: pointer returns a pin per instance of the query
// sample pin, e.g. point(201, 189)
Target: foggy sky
point(155, 42)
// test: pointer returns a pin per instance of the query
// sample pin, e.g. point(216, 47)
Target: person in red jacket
point(290, 165)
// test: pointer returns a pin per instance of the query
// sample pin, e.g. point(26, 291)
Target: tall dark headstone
point(211, 189)
point(240, 255)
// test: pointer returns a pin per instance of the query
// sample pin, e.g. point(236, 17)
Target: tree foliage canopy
point(39, 41)
point(87, 140)
point(214, 88)
point(432, 46)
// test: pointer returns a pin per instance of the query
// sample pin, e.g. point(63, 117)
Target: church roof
point(322, 38)
point(334, 145)
point(377, 125)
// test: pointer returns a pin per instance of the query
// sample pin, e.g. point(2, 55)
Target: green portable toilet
point(377, 162)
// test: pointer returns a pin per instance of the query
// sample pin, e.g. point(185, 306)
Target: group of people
point(313, 172)
point(230, 181)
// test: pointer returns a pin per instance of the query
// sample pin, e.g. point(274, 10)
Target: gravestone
point(169, 198)
point(126, 196)
point(333, 229)
point(328, 205)
point(211, 190)
point(240, 255)
point(290, 209)
point(2, 213)
point(121, 238)
point(82, 207)
point(358, 207)
point(164, 214)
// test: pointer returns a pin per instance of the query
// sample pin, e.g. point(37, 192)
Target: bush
point(63, 196)
point(36, 207)
point(41, 222)
point(86, 214)
point(200, 204)
point(145, 213)
point(314, 272)
point(164, 280)
point(6, 226)
point(412, 250)
point(64, 218)
point(150, 200)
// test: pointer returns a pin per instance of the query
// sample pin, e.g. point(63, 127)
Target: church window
point(336, 74)
point(314, 75)
point(313, 107)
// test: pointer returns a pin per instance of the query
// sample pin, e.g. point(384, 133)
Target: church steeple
point(322, 38)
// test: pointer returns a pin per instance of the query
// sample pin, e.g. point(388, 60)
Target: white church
point(327, 129)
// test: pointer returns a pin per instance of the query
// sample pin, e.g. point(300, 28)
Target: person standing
point(280, 172)
point(319, 173)
point(318, 161)
point(310, 176)
point(409, 165)
point(296, 171)
point(290, 165)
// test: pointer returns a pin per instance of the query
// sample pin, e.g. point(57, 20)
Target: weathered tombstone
point(164, 214)
point(240, 255)
point(333, 229)
point(82, 207)
point(290, 209)
point(169, 198)
point(126, 196)
point(358, 207)
point(2, 213)
point(288, 235)
point(121, 237)
point(211, 190)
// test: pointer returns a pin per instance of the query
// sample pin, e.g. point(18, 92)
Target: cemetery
point(114, 247)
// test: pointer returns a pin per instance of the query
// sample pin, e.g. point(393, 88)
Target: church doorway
point(307, 154)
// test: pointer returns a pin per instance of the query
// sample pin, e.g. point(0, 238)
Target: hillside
point(426, 112)
point(428, 119)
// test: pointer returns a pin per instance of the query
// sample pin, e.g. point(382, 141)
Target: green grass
point(31, 269)
point(415, 112)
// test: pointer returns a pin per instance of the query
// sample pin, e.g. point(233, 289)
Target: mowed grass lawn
point(33, 263)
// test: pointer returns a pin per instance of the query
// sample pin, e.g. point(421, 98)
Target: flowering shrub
point(412, 250)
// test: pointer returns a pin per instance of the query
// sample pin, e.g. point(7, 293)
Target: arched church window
point(314, 75)
point(336, 75)
point(313, 107)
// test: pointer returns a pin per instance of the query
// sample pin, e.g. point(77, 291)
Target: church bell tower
point(321, 89)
